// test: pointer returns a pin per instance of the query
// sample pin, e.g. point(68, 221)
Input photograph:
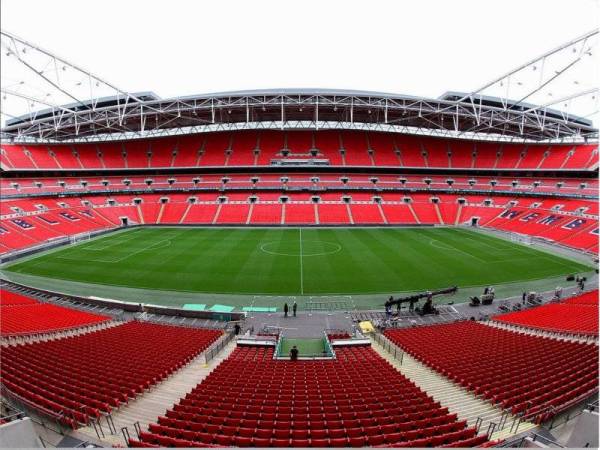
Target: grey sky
point(183, 47)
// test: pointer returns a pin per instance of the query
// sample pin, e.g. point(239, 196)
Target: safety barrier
point(215, 348)
point(389, 346)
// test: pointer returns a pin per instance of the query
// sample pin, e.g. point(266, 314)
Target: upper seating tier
point(52, 185)
point(261, 148)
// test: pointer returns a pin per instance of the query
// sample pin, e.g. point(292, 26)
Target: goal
point(79, 238)
point(521, 238)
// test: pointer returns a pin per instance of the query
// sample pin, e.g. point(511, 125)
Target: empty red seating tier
point(56, 222)
point(338, 335)
point(356, 400)
point(78, 378)
point(20, 317)
point(589, 298)
point(573, 231)
point(577, 316)
point(8, 298)
point(530, 375)
point(59, 217)
point(53, 185)
point(259, 148)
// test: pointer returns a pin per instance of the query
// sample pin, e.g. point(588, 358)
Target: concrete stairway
point(382, 213)
point(185, 213)
point(160, 212)
point(457, 399)
point(250, 210)
point(458, 214)
point(349, 213)
point(216, 217)
point(161, 397)
point(414, 214)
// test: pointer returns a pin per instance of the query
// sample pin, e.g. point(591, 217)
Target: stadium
point(297, 267)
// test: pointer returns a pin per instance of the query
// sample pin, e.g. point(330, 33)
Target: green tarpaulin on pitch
point(258, 309)
point(194, 306)
point(221, 308)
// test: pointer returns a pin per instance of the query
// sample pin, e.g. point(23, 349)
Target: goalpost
point(521, 238)
point(80, 238)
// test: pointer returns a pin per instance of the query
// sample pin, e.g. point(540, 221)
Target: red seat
point(318, 434)
point(355, 379)
point(301, 433)
point(375, 440)
point(264, 433)
point(358, 441)
point(260, 442)
point(338, 442)
point(242, 441)
point(319, 443)
point(246, 432)
point(562, 375)
point(282, 434)
point(225, 440)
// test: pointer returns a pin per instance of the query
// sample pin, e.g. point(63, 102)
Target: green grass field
point(306, 347)
point(293, 261)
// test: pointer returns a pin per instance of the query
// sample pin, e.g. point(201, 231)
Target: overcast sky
point(180, 47)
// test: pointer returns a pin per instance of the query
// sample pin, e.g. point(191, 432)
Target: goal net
point(521, 238)
point(80, 237)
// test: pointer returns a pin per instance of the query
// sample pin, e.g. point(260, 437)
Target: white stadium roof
point(52, 100)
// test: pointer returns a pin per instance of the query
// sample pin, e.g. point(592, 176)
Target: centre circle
point(305, 248)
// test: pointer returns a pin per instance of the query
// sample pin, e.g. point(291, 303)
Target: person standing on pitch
point(285, 310)
point(294, 308)
point(294, 353)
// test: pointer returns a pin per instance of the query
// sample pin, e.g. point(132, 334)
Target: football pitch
point(297, 261)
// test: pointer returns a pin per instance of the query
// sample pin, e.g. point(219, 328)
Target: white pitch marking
point(112, 242)
point(446, 246)
point(336, 249)
point(116, 260)
point(301, 266)
point(151, 246)
point(482, 243)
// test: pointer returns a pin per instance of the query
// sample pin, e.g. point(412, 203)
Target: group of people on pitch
point(286, 309)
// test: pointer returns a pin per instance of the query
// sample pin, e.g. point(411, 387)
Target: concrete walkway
point(542, 333)
point(51, 336)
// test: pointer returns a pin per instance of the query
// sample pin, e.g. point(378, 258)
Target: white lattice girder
point(353, 109)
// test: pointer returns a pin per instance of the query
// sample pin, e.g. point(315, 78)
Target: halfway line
point(301, 266)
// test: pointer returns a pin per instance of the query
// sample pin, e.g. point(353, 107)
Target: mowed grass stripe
point(274, 261)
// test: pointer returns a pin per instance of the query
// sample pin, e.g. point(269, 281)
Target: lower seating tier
point(572, 316)
point(29, 222)
point(8, 298)
point(357, 399)
point(76, 379)
point(529, 375)
point(29, 318)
